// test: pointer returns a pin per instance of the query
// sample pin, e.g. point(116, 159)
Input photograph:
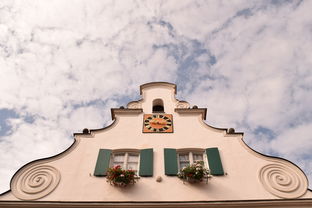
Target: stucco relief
point(183, 104)
point(35, 182)
point(284, 181)
point(134, 105)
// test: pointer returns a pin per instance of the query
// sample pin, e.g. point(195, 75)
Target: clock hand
point(158, 123)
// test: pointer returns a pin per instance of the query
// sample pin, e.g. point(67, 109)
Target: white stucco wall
point(241, 165)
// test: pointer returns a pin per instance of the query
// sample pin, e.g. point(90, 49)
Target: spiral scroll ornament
point(283, 181)
point(35, 182)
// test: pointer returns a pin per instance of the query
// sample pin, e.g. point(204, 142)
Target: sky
point(64, 64)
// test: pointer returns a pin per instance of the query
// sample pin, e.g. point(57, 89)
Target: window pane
point(133, 158)
point(133, 161)
point(119, 158)
point(118, 163)
point(183, 157)
point(183, 164)
point(198, 157)
point(132, 166)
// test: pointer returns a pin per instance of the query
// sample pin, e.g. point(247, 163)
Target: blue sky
point(64, 64)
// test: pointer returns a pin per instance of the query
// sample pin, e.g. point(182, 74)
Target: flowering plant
point(194, 172)
point(119, 177)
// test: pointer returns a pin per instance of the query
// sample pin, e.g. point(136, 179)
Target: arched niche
point(158, 106)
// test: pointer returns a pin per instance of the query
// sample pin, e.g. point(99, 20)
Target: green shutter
point(102, 163)
point(171, 163)
point(214, 161)
point(146, 162)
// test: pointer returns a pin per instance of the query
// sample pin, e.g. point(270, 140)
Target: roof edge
point(115, 111)
point(261, 203)
point(275, 158)
point(202, 111)
point(152, 84)
point(45, 159)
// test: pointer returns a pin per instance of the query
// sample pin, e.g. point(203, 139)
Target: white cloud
point(65, 63)
point(294, 142)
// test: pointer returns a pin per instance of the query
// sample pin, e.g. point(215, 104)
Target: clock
point(157, 123)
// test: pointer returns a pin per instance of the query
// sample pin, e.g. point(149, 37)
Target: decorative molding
point(284, 181)
point(158, 84)
point(115, 111)
point(182, 105)
point(202, 111)
point(35, 182)
point(134, 105)
point(276, 203)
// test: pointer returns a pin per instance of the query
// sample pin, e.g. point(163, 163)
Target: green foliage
point(194, 172)
point(119, 177)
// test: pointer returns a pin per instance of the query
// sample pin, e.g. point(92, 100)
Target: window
point(158, 106)
point(187, 158)
point(175, 159)
point(134, 159)
point(126, 160)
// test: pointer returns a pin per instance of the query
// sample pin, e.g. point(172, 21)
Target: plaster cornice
point(291, 203)
point(115, 111)
point(158, 84)
point(202, 111)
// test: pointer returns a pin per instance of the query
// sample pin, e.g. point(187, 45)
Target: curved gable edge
point(274, 159)
point(90, 131)
point(203, 112)
point(42, 161)
point(57, 156)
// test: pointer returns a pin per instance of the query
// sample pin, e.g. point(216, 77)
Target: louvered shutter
point(171, 163)
point(214, 161)
point(146, 163)
point(102, 163)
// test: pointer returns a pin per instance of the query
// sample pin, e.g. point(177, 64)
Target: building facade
point(157, 137)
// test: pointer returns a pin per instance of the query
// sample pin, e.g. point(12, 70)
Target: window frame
point(126, 153)
point(191, 152)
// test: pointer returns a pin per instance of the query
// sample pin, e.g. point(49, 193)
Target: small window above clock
point(158, 106)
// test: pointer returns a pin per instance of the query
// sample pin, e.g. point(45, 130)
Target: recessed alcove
point(158, 106)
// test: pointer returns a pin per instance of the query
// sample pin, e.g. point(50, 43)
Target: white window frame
point(190, 153)
point(126, 153)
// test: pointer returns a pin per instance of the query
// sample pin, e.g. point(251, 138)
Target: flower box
point(194, 173)
point(118, 177)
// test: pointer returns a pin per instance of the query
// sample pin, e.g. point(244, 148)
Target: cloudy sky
point(64, 64)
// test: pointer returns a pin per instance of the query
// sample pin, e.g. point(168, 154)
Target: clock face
point(157, 123)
